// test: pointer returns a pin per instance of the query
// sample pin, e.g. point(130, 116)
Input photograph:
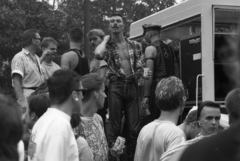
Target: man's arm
point(69, 60)
point(101, 48)
point(103, 68)
point(176, 66)
point(150, 53)
point(17, 83)
point(45, 54)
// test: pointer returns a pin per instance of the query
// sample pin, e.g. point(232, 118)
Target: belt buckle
point(128, 80)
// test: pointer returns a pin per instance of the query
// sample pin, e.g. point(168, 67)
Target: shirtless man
point(124, 58)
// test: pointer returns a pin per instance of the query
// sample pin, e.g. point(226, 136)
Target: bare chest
point(123, 52)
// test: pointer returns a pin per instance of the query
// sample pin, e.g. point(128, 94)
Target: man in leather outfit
point(161, 60)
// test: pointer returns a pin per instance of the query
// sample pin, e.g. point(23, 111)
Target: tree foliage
point(18, 15)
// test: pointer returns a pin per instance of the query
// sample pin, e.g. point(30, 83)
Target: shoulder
point(98, 117)
point(150, 49)
point(176, 130)
point(135, 43)
point(55, 64)
point(18, 56)
point(69, 54)
point(81, 141)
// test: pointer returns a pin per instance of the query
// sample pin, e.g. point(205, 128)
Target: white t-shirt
point(49, 69)
point(174, 153)
point(84, 151)
point(157, 137)
point(52, 138)
point(20, 150)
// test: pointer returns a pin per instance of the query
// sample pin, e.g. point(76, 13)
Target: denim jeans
point(123, 97)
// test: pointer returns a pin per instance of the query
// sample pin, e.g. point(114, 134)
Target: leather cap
point(151, 27)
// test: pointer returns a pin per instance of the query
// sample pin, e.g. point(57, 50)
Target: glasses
point(83, 90)
point(40, 39)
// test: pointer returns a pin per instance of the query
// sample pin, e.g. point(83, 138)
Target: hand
point(149, 75)
point(145, 103)
point(46, 53)
point(117, 153)
point(107, 38)
point(23, 104)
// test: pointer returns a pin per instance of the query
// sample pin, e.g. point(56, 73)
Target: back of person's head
point(42, 89)
point(233, 105)
point(204, 104)
point(169, 94)
point(11, 128)
point(191, 117)
point(76, 35)
point(47, 40)
point(38, 104)
point(96, 32)
point(91, 82)
point(193, 128)
point(28, 36)
point(61, 85)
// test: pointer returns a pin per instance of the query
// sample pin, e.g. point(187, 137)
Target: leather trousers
point(123, 99)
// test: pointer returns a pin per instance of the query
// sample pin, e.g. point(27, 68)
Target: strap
point(33, 88)
point(150, 58)
point(79, 52)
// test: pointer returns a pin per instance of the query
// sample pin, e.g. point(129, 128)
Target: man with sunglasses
point(49, 49)
point(27, 73)
point(52, 136)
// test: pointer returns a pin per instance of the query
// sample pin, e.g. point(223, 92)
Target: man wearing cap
point(160, 59)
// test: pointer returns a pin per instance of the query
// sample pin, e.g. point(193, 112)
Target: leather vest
point(164, 60)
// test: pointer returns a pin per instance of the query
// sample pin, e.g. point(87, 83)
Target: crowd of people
point(60, 113)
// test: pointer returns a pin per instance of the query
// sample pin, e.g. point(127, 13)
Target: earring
point(76, 99)
point(200, 124)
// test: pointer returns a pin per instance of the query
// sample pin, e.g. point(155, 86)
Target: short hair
point(11, 128)
point(206, 103)
point(119, 15)
point(76, 35)
point(27, 37)
point(47, 40)
point(61, 84)
point(91, 82)
point(96, 32)
point(233, 105)
point(169, 94)
point(38, 104)
point(191, 117)
point(42, 89)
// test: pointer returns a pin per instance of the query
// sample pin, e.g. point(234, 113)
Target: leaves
point(16, 16)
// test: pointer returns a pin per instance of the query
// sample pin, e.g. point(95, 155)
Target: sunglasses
point(40, 39)
point(83, 90)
